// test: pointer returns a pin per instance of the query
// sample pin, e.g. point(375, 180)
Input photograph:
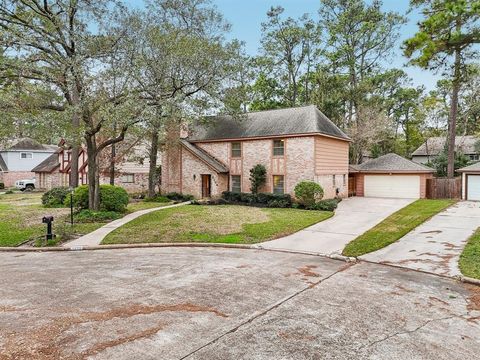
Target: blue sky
point(247, 15)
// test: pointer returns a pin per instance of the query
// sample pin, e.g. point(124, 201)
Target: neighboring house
point(471, 182)
point(433, 146)
point(390, 176)
point(19, 157)
point(131, 170)
point(293, 144)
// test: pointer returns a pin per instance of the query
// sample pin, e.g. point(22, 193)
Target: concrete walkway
point(95, 238)
point(436, 245)
point(352, 218)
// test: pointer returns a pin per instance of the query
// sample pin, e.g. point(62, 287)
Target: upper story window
point(128, 178)
point(278, 147)
point(474, 157)
point(236, 149)
point(26, 155)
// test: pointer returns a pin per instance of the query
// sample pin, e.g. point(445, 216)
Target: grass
point(395, 226)
point(470, 258)
point(220, 224)
point(21, 219)
point(143, 205)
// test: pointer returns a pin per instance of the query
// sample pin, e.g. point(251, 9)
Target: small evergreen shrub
point(2, 185)
point(308, 193)
point(260, 199)
point(112, 198)
point(325, 205)
point(258, 177)
point(157, 198)
point(55, 197)
point(179, 197)
point(88, 216)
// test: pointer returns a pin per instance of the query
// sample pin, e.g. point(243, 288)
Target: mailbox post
point(48, 220)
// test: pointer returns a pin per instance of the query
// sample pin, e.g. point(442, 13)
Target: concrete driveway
point(192, 303)
point(436, 245)
point(352, 218)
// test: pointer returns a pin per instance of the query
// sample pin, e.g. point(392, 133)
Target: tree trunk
point(93, 176)
point(452, 121)
point(75, 152)
point(153, 162)
point(112, 165)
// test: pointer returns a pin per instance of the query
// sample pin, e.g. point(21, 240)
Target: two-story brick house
point(293, 144)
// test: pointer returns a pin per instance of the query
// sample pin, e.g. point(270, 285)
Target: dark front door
point(206, 186)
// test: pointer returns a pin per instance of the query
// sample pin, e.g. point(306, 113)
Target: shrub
point(325, 205)
point(87, 216)
point(8, 192)
point(2, 185)
point(265, 199)
point(258, 177)
point(157, 198)
point(179, 197)
point(112, 198)
point(55, 197)
point(308, 193)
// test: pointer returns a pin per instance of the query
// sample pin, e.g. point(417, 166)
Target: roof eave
point(268, 137)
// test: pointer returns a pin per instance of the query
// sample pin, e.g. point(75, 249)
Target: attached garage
point(391, 176)
point(471, 182)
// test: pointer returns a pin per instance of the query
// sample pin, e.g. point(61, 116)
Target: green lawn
point(395, 226)
point(219, 224)
point(21, 218)
point(470, 259)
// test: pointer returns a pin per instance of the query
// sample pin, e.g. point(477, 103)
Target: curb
point(468, 280)
point(330, 256)
point(125, 246)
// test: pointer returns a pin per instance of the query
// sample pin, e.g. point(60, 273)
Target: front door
point(206, 186)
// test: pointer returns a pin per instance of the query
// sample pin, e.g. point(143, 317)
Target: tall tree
point(181, 62)
point(360, 35)
point(289, 49)
point(445, 39)
point(65, 45)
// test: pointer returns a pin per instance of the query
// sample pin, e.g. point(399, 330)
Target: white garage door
point(392, 186)
point(473, 187)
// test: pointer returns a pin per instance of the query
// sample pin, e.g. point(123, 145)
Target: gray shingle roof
point(48, 165)
point(205, 157)
point(435, 145)
point(3, 165)
point(473, 168)
point(292, 121)
point(393, 163)
point(30, 144)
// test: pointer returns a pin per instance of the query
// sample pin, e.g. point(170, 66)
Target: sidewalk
point(96, 237)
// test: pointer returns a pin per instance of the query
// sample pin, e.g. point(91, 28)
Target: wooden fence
point(439, 188)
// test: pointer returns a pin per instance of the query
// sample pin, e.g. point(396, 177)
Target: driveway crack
point(264, 312)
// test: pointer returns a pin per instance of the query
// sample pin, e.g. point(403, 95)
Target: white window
point(26, 155)
point(128, 178)
point(278, 147)
point(236, 183)
point(278, 184)
point(236, 149)
point(474, 157)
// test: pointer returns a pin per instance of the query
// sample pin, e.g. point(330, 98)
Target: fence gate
point(440, 188)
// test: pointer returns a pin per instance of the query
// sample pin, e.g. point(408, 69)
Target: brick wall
point(9, 177)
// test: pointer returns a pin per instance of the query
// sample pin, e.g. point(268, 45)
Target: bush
point(258, 177)
point(157, 198)
point(55, 197)
point(179, 197)
point(261, 199)
point(2, 185)
point(325, 205)
point(8, 192)
point(87, 216)
point(112, 198)
point(308, 193)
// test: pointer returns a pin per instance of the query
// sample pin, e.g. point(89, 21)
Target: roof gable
point(474, 167)
point(48, 165)
point(435, 145)
point(3, 165)
point(280, 122)
point(205, 157)
point(28, 144)
point(393, 163)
